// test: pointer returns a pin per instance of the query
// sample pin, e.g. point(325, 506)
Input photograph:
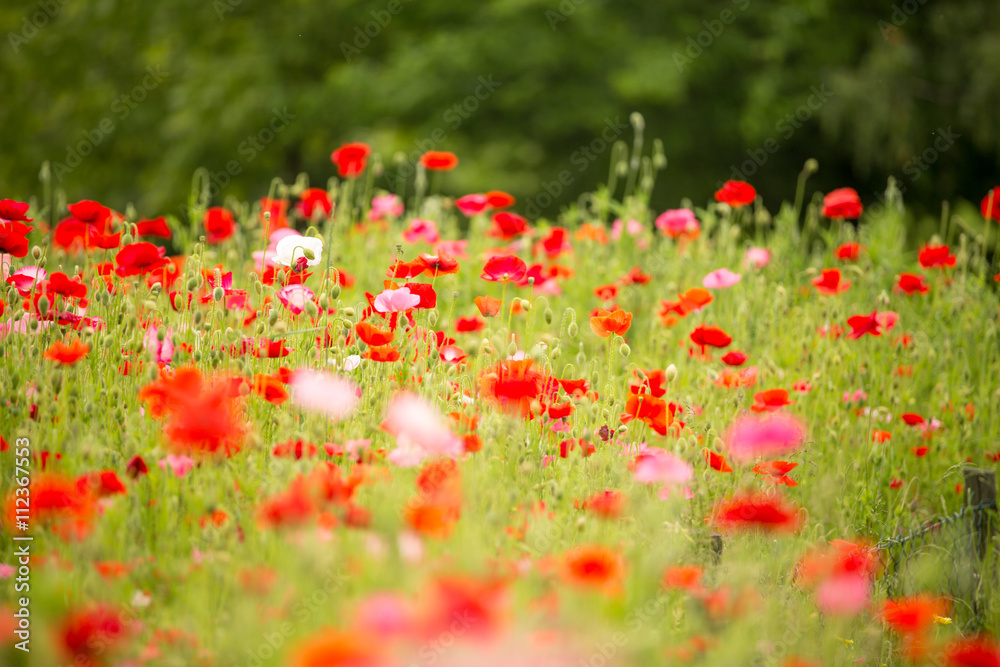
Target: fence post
point(981, 489)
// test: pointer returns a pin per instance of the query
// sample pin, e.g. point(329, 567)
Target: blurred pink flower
point(162, 351)
point(395, 300)
point(329, 394)
point(677, 222)
point(25, 278)
point(774, 435)
point(844, 594)
point(633, 227)
point(179, 465)
point(858, 395)
point(420, 431)
point(385, 615)
point(757, 258)
point(294, 297)
point(6, 571)
point(720, 279)
point(658, 466)
point(386, 206)
point(454, 248)
point(422, 230)
point(471, 205)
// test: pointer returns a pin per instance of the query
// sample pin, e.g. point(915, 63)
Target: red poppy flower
point(503, 269)
point(93, 238)
point(770, 400)
point(270, 388)
point(606, 292)
point(488, 306)
point(351, 159)
point(990, 206)
point(372, 335)
point(441, 264)
point(56, 502)
point(89, 211)
point(313, 200)
point(439, 160)
point(67, 355)
point(469, 324)
point(776, 472)
point(136, 467)
point(156, 227)
point(736, 194)
point(830, 282)
point(60, 283)
point(734, 358)
point(716, 462)
point(219, 224)
point(864, 324)
point(765, 511)
point(710, 336)
point(101, 484)
point(936, 256)
point(507, 225)
point(574, 387)
point(382, 353)
point(848, 252)
point(139, 258)
point(605, 504)
point(594, 566)
point(652, 411)
point(604, 323)
point(912, 418)
point(87, 634)
point(684, 577)
point(13, 211)
point(913, 615)
point(973, 651)
point(912, 283)
point(295, 449)
point(881, 436)
point(499, 199)
point(14, 238)
point(650, 382)
point(514, 385)
point(428, 297)
point(842, 203)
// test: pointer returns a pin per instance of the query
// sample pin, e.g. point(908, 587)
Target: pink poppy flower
point(771, 436)
point(633, 227)
point(844, 594)
point(162, 351)
point(179, 465)
point(294, 297)
point(396, 300)
point(678, 222)
point(420, 431)
point(386, 206)
point(720, 279)
point(658, 466)
point(328, 394)
point(757, 258)
point(422, 230)
point(471, 205)
point(454, 248)
point(26, 278)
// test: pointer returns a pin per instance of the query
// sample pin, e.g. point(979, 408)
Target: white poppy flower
point(294, 248)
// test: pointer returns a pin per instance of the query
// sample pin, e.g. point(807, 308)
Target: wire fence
point(954, 557)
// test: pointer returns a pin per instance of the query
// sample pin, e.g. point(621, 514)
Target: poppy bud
point(555, 354)
point(811, 167)
point(525, 305)
point(432, 318)
point(280, 328)
point(511, 349)
point(572, 329)
point(192, 284)
point(36, 252)
point(659, 156)
point(43, 306)
point(197, 356)
point(625, 350)
point(623, 429)
point(308, 254)
point(581, 358)
point(127, 239)
point(312, 308)
point(335, 292)
point(670, 373)
point(349, 312)
point(272, 318)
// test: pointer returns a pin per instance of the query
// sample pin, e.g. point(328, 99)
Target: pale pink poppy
point(179, 465)
point(770, 436)
point(162, 351)
point(757, 258)
point(385, 614)
point(386, 206)
point(720, 279)
point(294, 297)
point(633, 227)
point(22, 326)
point(420, 431)
point(658, 466)
point(858, 396)
point(843, 594)
point(471, 205)
point(887, 319)
point(396, 300)
point(329, 394)
point(677, 222)
point(422, 230)
point(7, 571)
point(265, 259)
